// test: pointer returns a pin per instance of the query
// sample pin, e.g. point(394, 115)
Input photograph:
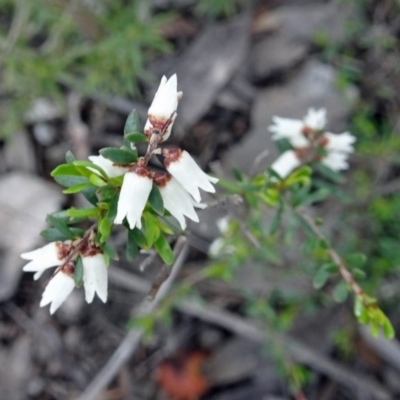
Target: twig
point(299, 351)
point(133, 337)
point(346, 274)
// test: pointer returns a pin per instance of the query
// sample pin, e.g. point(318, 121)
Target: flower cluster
point(310, 142)
point(179, 186)
point(130, 182)
point(65, 255)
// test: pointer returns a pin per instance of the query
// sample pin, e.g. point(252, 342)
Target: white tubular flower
point(51, 255)
point(315, 119)
point(95, 277)
point(57, 290)
point(290, 129)
point(342, 142)
point(135, 191)
point(336, 160)
point(184, 169)
point(108, 166)
point(162, 112)
point(176, 199)
point(286, 163)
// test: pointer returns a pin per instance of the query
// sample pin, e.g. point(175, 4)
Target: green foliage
point(93, 49)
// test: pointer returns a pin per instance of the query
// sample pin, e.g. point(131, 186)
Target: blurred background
point(72, 70)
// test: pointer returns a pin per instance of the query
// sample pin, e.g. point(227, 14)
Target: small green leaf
point(358, 306)
point(70, 180)
point(320, 278)
point(54, 235)
point(78, 274)
point(151, 229)
point(330, 267)
point(118, 156)
point(132, 248)
point(136, 137)
point(90, 166)
point(96, 180)
point(356, 260)
point(90, 194)
point(139, 237)
point(388, 329)
point(156, 200)
point(109, 251)
point(69, 157)
point(107, 192)
point(83, 212)
point(65, 170)
point(132, 123)
point(113, 208)
point(104, 226)
point(164, 250)
point(340, 293)
point(60, 225)
point(76, 188)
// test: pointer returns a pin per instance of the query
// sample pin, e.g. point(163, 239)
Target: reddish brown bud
point(161, 179)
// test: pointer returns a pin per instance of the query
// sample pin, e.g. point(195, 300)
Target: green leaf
point(132, 249)
point(118, 156)
point(90, 194)
point(70, 180)
point(109, 252)
point(320, 278)
point(136, 137)
point(151, 229)
point(76, 188)
point(113, 208)
point(60, 225)
point(78, 274)
point(356, 260)
point(104, 226)
point(88, 164)
point(358, 306)
point(132, 123)
point(388, 329)
point(83, 212)
point(65, 170)
point(139, 237)
point(96, 180)
point(276, 221)
point(54, 235)
point(340, 293)
point(107, 192)
point(156, 200)
point(69, 157)
point(330, 267)
point(164, 250)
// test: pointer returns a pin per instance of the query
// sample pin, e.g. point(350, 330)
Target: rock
point(273, 54)
point(25, 200)
point(207, 67)
point(313, 86)
point(296, 26)
point(19, 153)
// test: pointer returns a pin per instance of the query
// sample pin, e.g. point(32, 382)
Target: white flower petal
point(290, 129)
point(336, 160)
point(95, 277)
point(342, 142)
point(57, 290)
point(190, 176)
point(286, 163)
point(42, 258)
point(135, 191)
point(165, 100)
point(108, 166)
point(315, 119)
point(178, 202)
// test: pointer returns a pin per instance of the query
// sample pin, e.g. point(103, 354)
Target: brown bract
point(161, 179)
point(171, 155)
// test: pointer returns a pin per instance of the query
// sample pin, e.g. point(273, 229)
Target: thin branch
point(344, 272)
point(133, 337)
